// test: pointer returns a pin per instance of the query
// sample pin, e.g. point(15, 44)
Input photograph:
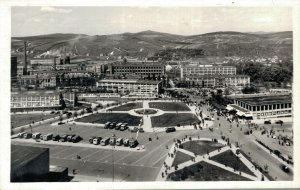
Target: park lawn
point(180, 158)
point(111, 117)
point(231, 160)
point(17, 120)
point(129, 106)
point(203, 171)
point(169, 106)
point(172, 119)
point(201, 147)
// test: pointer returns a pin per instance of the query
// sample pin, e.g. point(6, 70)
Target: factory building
point(262, 107)
point(133, 87)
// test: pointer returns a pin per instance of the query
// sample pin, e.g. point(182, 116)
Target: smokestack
point(25, 58)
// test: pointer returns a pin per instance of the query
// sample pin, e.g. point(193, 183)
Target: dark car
point(60, 123)
point(170, 129)
point(76, 139)
point(112, 125)
point(279, 122)
point(91, 139)
point(141, 130)
point(107, 124)
point(134, 130)
point(267, 122)
point(64, 138)
point(124, 126)
point(56, 138)
point(69, 138)
point(118, 126)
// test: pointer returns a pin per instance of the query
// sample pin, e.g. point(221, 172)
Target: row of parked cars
point(47, 137)
point(113, 141)
point(116, 126)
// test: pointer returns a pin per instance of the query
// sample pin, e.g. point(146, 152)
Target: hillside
point(148, 43)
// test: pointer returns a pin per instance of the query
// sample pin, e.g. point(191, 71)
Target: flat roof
point(21, 155)
point(207, 66)
point(35, 93)
point(239, 108)
point(265, 100)
point(216, 75)
point(138, 81)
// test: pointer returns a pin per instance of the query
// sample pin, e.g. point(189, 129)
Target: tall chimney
point(25, 58)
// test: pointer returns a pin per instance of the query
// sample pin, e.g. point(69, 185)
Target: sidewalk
point(205, 158)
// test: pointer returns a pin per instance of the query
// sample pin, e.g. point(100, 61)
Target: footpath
point(167, 167)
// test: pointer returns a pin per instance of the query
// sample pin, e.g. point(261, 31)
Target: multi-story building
point(194, 69)
point(13, 66)
point(131, 87)
point(138, 68)
point(38, 100)
point(262, 107)
point(219, 81)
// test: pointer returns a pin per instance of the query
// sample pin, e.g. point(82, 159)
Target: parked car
point(36, 135)
point(96, 140)
point(112, 141)
point(141, 130)
point(106, 126)
point(134, 130)
point(119, 141)
point(21, 135)
point(170, 129)
point(69, 138)
point(118, 126)
point(124, 127)
point(91, 139)
point(60, 123)
point(64, 138)
point(105, 141)
point(112, 125)
point(126, 142)
point(278, 122)
point(27, 135)
point(267, 122)
point(47, 137)
point(56, 138)
point(76, 139)
point(133, 143)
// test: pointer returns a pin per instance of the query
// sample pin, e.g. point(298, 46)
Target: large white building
point(195, 69)
point(219, 81)
point(262, 107)
point(130, 87)
point(38, 100)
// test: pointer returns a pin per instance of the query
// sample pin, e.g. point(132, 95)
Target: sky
point(30, 21)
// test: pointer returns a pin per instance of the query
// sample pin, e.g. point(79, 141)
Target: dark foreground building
point(29, 164)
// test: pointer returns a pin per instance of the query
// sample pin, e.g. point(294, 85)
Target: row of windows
point(145, 67)
point(274, 113)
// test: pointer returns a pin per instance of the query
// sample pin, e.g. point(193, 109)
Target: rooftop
point(264, 100)
point(35, 93)
point(216, 75)
point(215, 66)
point(138, 81)
point(21, 155)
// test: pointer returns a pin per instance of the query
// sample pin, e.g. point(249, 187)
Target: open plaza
point(200, 149)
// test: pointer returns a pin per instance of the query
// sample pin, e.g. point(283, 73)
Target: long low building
point(136, 87)
point(39, 100)
point(262, 107)
point(195, 69)
point(219, 81)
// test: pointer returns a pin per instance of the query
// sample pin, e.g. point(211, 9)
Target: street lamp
point(112, 148)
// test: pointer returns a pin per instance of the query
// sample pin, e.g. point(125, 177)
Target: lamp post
point(113, 171)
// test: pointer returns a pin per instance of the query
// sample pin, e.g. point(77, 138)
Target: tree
point(75, 114)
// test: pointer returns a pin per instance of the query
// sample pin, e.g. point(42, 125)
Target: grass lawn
point(201, 147)
point(169, 106)
point(112, 117)
point(180, 157)
point(18, 120)
point(172, 119)
point(232, 161)
point(129, 106)
point(204, 172)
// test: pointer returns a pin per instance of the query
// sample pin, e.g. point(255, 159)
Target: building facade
point(262, 107)
point(38, 100)
point(140, 68)
point(131, 87)
point(219, 81)
point(187, 70)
